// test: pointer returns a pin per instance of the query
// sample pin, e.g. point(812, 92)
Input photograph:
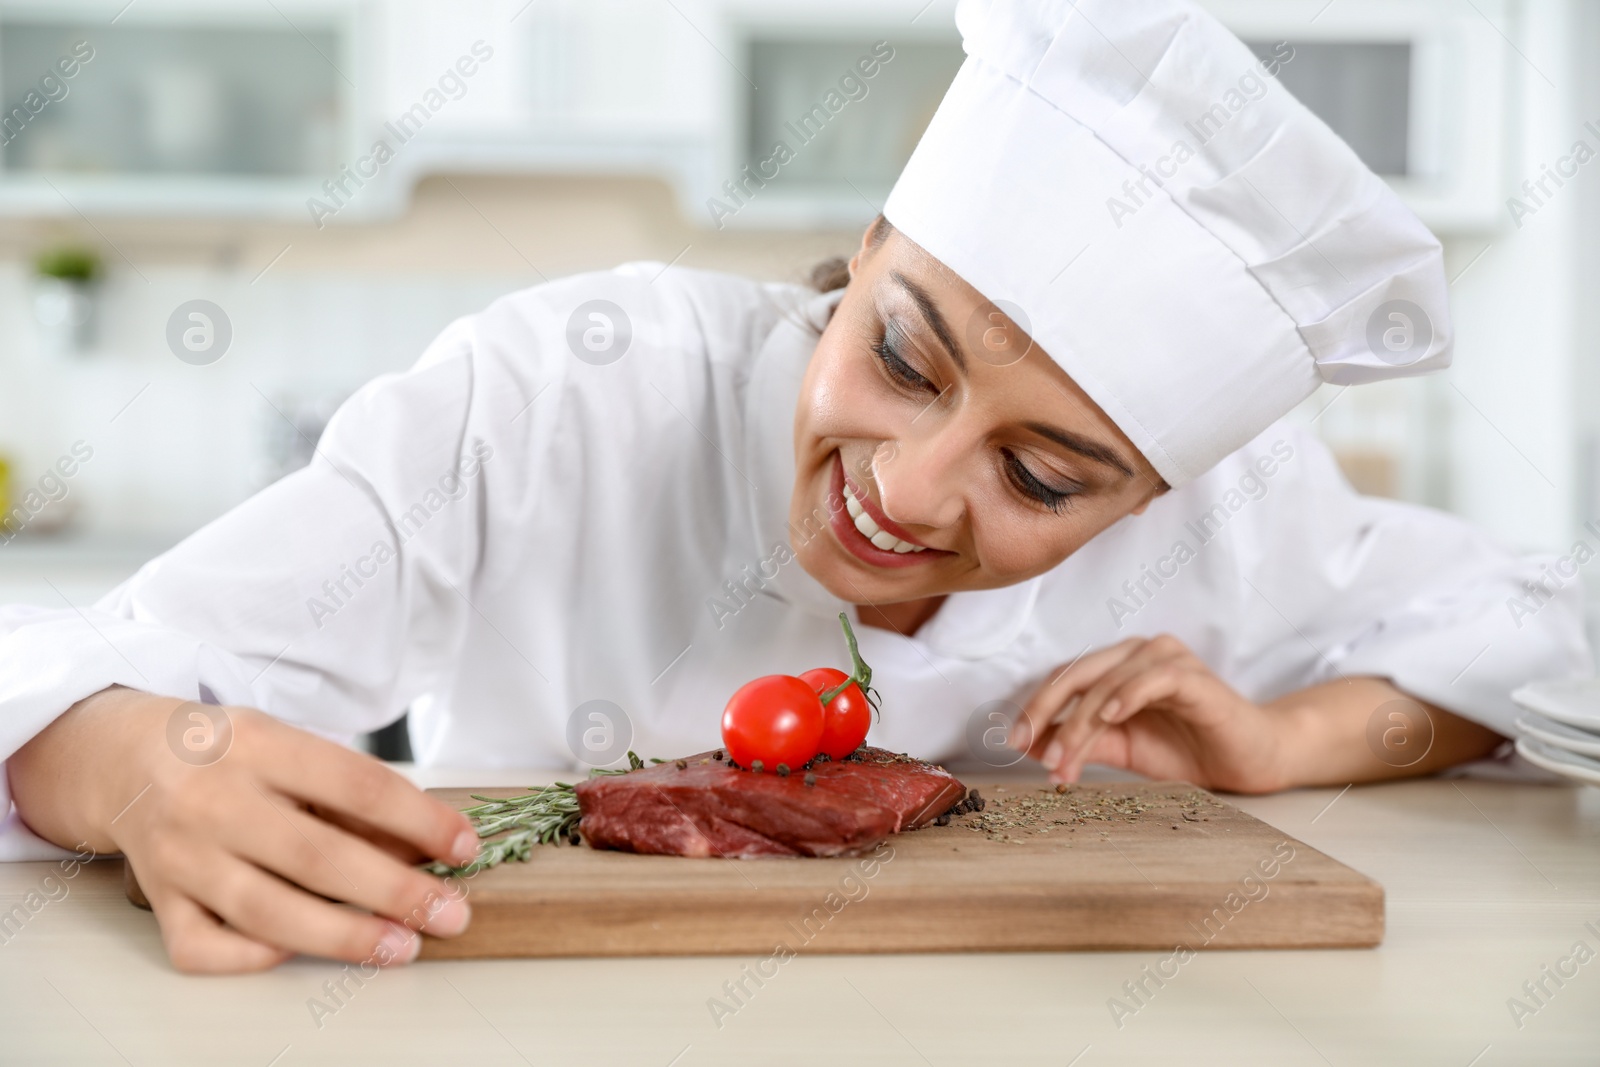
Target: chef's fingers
point(1066, 763)
point(1065, 733)
point(263, 907)
point(1182, 684)
point(1161, 684)
point(400, 849)
point(311, 769)
point(1047, 748)
point(1101, 699)
point(198, 943)
point(324, 859)
point(1048, 701)
point(1078, 728)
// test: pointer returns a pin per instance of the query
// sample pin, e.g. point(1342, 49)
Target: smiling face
point(938, 449)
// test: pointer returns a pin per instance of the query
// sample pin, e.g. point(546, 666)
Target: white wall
point(1513, 399)
point(193, 439)
point(340, 306)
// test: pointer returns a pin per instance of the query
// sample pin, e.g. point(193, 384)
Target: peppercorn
point(683, 765)
point(783, 770)
point(717, 755)
point(811, 779)
point(755, 765)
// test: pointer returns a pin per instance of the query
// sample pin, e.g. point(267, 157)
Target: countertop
point(70, 569)
point(1487, 885)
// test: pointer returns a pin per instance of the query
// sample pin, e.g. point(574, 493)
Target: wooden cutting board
point(1123, 866)
point(1159, 865)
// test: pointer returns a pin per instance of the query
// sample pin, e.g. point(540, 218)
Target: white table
point(1486, 883)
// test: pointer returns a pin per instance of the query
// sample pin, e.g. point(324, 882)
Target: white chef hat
point(1199, 251)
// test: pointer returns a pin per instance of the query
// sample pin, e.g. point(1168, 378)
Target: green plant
point(72, 263)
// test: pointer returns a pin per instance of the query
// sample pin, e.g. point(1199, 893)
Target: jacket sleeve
point(1349, 585)
point(331, 600)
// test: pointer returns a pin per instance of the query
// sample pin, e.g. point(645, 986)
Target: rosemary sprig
point(542, 817)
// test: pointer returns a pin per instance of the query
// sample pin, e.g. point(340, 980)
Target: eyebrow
point(930, 312)
point(1083, 446)
point(1078, 443)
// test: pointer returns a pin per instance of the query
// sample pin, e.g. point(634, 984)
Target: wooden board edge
point(1303, 916)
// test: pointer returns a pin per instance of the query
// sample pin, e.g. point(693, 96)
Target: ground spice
point(1044, 809)
point(884, 759)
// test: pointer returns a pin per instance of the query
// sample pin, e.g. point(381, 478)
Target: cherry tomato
point(776, 719)
point(847, 717)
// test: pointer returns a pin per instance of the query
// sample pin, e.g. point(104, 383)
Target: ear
point(866, 247)
point(1157, 490)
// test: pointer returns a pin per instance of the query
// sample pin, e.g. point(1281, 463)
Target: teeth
point(872, 531)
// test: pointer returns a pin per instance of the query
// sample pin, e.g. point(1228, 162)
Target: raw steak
point(707, 808)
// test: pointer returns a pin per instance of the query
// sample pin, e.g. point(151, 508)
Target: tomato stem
point(861, 675)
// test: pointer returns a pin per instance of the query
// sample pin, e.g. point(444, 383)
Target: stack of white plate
point(1559, 728)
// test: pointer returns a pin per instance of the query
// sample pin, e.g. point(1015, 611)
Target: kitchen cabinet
point(174, 107)
point(331, 110)
point(1421, 89)
point(195, 107)
point(821, 106)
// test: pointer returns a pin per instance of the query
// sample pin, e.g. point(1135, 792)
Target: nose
point(920, 480)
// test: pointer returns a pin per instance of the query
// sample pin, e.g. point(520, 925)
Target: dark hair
point(834, 273)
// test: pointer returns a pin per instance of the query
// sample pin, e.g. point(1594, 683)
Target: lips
point(862, 528)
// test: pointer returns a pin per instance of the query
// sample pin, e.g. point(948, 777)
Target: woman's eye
point(1030, 484)
point(898, 368)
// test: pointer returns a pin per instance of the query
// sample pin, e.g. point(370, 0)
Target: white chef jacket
point(506, 532)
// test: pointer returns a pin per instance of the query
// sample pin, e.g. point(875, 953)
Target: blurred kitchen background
point(222, 151)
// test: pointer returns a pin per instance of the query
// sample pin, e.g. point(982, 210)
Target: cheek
point(1015, 545)
point(839, 398)
point(1016, 542)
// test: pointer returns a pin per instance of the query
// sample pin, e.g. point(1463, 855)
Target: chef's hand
point(251, 857)
point(1150, 705)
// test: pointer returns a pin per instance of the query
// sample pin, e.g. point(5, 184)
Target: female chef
point(1033, 446)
